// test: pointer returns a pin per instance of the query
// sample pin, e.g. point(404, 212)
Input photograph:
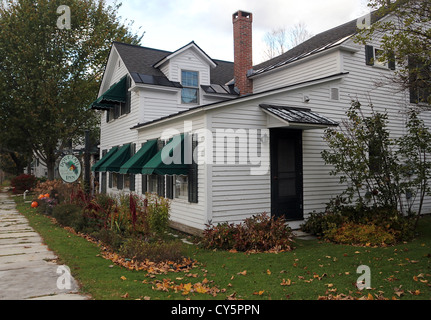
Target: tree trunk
point(50, 164)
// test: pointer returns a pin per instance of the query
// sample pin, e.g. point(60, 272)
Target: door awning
point(114, 163)
point(300, 118)
point(98, 164)
point(117, 93)
point(145, 154)
point(169, 160)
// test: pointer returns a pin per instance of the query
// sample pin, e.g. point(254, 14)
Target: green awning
point(106, 157)
point(117, 93)
point(114, 163)
point(135, 164)
point(171, 163)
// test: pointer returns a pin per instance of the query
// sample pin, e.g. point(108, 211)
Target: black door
point(286, 173)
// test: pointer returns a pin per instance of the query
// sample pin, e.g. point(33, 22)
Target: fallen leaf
point(243, 273)
point(123, 278)
point(126, 295)
point(268, 272)
point(285, 282)
point(258, 293)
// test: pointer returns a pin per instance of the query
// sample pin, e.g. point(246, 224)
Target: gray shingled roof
point(319, 42)
point(142, 59)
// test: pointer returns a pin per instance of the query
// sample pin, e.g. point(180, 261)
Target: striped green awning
point(114, 163)
point(169, 163)
point(98, 164)
point(117, 93)
point(145, 154)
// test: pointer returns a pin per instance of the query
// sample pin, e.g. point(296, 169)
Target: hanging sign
point(69, 169)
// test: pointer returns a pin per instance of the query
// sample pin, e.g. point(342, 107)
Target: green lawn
point(314, 269)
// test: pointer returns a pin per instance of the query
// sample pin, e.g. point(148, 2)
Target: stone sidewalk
point(28, 269)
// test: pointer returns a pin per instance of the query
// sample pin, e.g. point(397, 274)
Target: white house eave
point(154, 87)
point(216, 105)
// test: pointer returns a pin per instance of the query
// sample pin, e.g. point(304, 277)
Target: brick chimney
point(243, 59)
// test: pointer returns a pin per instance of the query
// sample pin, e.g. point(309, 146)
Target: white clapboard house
point(225, 140)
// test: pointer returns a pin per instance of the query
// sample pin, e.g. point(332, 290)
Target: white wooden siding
point(190, 214)
point(320, 66)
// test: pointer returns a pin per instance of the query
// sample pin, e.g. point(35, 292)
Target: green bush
point(361, 234)
point(141, 250)
point(109, 238)
point(385, 218)
point(70, 215)
point(157, 213)
point(258, 233)
point(319, 222)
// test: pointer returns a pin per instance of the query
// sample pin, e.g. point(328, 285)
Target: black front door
point(286, 173)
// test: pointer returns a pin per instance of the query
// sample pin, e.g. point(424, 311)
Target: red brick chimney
point(243, 49)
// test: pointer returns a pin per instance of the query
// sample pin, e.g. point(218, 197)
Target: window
point(419, 79)
point(152, 183)
point(190, 82)
point(373, 57)
point(181, 187)
point(121, 108)
point(126, 178)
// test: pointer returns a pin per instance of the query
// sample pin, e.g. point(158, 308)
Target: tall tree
point(52, 56)
point(406, 38)
point(279, 40)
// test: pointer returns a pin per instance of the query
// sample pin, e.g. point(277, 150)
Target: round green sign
point(69, 169)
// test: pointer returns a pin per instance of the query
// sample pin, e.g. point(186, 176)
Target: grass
point(314, 269)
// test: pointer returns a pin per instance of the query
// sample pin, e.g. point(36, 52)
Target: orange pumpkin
point(34, 204)
point(47, 195)
point(41, 196)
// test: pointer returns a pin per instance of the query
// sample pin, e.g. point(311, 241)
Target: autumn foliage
point(258, 233)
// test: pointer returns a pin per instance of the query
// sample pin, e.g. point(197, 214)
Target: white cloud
point(171, 24)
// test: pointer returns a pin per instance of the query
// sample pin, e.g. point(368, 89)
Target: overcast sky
point(171, 24)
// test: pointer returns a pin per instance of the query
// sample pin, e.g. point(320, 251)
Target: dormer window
point(190, 83)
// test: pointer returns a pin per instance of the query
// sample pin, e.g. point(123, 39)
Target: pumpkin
point(34, 204)
point(46, 195)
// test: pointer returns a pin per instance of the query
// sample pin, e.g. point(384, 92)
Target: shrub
point(361, 234)
point(109, 237)
point(386, 218)
point(46, 205)
point(258, 233)
point(319, 222)
point(23, 182)
point(221, 236)
point(70, 215)
point(141, 250)
point(157, 213)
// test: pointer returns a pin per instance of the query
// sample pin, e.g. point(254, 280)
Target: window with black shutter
point(161, 186)
point(170, 187)
point(373, 58)
point(419, 79)
point(193, 177)
point(144, 183)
